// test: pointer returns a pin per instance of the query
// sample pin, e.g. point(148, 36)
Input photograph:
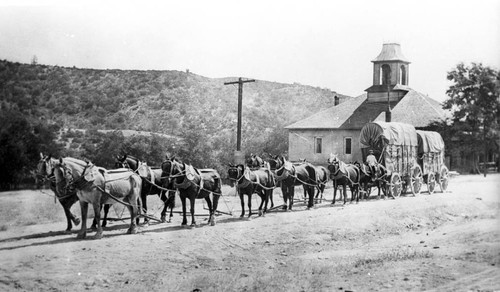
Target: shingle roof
point(414, 108)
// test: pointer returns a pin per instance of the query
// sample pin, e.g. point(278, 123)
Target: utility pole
point(240, 101)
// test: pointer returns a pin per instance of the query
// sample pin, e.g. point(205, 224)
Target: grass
point(391, 256)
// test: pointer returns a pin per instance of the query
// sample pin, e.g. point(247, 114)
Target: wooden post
point(240, 101)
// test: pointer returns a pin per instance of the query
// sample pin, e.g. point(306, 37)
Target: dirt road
point(441, 242)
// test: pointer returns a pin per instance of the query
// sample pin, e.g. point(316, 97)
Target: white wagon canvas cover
point(396, 142)
point(430, 151)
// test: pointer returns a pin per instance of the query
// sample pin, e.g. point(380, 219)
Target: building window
point(386, 74)
point(317, 144)
point(348, 145)
point(403, 75)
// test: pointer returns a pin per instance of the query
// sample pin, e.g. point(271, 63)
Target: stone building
point(336, 129)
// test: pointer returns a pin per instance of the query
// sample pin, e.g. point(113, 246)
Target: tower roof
point(391, 52)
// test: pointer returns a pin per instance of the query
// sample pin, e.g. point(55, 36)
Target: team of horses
point(132, 181)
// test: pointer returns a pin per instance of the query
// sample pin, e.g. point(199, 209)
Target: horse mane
point(77, 161)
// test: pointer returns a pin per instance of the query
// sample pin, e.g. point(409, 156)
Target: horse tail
point(312, 173)
point(170, 200)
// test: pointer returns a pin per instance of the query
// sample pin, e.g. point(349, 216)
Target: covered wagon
point(395, 146)
point(430, 160)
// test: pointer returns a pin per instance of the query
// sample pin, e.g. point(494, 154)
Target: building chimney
point(336, 100)
point(388, 115)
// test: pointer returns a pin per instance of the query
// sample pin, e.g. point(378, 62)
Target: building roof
point(414, 108)
point(391, 52)
point(332, 117)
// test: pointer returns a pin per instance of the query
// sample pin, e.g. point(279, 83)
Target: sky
point(329, 44)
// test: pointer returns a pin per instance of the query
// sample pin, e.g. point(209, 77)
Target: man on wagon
point(371, 161)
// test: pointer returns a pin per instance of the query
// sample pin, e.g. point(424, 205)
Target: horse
point(44, 172)
point(290, 175)
point(97, 186)
point(255, 161)
point(151, 184)
point(248, 182)
point(345, 175)
point(322, 177)
point(366, 179)
point(194, 184)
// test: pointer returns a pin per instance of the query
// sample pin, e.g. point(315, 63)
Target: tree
point(20, 145)
point(474, 101)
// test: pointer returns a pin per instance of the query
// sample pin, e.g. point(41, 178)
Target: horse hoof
point(67, 231)
point(212, 223)
point(81, 236)
point(163, 219)
point(77, 221)
point(98, 236)
point(132, 231)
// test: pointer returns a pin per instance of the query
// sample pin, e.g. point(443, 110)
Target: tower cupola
point(390, 74)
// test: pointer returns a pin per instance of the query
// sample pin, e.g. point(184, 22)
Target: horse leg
point(94, 222)
point(134, 210)
point(344, 192)
point(144, 200)
point(291, 192)
point(106, 211)
point(249, 204)
point(270, 197)
point(310, 191)
point(69, 216)
point(242, 201)
point(163, 198)
point(97, 216)
point(171, 204)
point(184, 219)
point(192, 200)
point(262, 196)
point(214, 206)
point(267, 194)
point(284, 191)
point(210, 210)
point(84, 206)
point(334, 191)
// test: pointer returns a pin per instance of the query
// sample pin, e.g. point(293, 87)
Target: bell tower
point(390, 75)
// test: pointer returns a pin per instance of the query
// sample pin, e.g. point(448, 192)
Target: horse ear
point(41, 155)
point(49, 157)
point(60, 160)
point(173, 158)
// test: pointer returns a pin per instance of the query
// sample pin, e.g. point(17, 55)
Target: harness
point(241, 183)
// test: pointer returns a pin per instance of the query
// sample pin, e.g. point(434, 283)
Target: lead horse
point(45, 172)
point(97, 186)
point(151, 184)
point(346, 175)
point(192, 184)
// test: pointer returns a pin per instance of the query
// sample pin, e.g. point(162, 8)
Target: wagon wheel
point(416, 180)
point(396, 185)
point(431, 182)
point(443, 178)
